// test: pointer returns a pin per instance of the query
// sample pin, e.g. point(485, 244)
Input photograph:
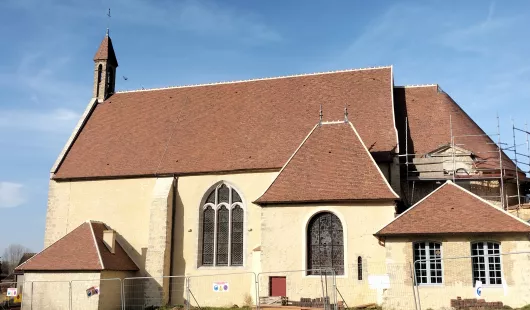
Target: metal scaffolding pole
point(527, 145)
point(516, 169)
point(505, 207)
point(452, 147)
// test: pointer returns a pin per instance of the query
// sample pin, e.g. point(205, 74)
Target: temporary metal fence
point(91, 294)
point(388, 285)
point(145, 292)
point(222, 289)
point(391, 286)
point(489, 280)
point(313, 288)
point(7, 302)
point(46, 295)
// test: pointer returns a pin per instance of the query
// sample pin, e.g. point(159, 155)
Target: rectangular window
point(486, 263)
point(428, 262)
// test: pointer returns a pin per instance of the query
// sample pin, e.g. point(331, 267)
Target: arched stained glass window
point(208, 229)
point(222, 227)
point(237, 236)
point(325, 245)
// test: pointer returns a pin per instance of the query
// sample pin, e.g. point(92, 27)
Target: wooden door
point(277, 286)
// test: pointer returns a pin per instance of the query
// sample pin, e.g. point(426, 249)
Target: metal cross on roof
point(108, 22)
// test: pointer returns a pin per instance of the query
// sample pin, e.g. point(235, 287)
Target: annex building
point(335, 170)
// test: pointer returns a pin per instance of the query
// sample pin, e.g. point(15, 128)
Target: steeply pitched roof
point(81, 249)
point(331, 164)
point(451, 209)
point(106, 52)
point(226, 127)
point(430, 112)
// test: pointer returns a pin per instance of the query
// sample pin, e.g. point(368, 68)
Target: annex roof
point(331, 164)
point(451, 209)
point(80, 250)
point(249, 125)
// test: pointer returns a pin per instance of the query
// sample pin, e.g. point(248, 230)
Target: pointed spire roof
point(81, 249)
point(451, 209)
point(106, 51)
point(331, 164)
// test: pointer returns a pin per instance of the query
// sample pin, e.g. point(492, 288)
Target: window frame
point(307, 244)
point(486, 263)
point(427, 263)
point(216, 206)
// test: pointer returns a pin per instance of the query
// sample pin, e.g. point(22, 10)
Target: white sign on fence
point(94, 290)
point(220, 287)
point(379, 281)
point(11, 292)
point(478, 289)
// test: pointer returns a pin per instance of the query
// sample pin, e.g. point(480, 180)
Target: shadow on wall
point(147, 292)
point(177, 286)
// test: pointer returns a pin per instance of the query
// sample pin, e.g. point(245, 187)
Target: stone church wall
point(457, 273)
point(284, 245)
point(191, 191)
point(123, 204)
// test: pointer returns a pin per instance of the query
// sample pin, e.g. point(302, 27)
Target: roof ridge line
point(333, 122)
point(373, 160)
point(488, 203)
point(96, 242)
point(288, 161)
point(416, 85)
point(413, 206)
point(253, 80)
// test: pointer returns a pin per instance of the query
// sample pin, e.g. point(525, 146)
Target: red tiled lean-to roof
point(80, 250)
point(228, 126)
point(332, 164)
point(451, 209)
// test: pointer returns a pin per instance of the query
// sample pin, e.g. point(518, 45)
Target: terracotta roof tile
point(120, 260)
point(430, 112)
point(450, 209)
point(80, 249)
point(332, 164)
point(226, 127)
point(106, 52)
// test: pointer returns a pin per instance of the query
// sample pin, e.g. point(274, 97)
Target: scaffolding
point(455, 165)
point(516, 155)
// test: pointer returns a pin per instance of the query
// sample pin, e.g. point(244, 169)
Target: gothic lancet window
point(222, 228)
point(325, 246)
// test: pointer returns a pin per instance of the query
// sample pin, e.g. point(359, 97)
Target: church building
point(307, 172)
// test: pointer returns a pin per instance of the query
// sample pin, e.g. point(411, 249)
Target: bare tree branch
point(12, 255)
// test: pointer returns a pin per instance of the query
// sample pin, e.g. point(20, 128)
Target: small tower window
point(100, 69)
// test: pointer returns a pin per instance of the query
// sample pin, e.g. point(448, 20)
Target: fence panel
point(504, 281)
point(303, 288)
point(388, 285)
point(46, 295)
point(6, 300)
point(96, 294)
point(143, 292)
point(222, 290)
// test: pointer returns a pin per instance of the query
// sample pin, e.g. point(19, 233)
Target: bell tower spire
point(105, 64)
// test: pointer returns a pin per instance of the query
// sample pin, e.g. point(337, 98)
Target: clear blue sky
point(478, 51)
